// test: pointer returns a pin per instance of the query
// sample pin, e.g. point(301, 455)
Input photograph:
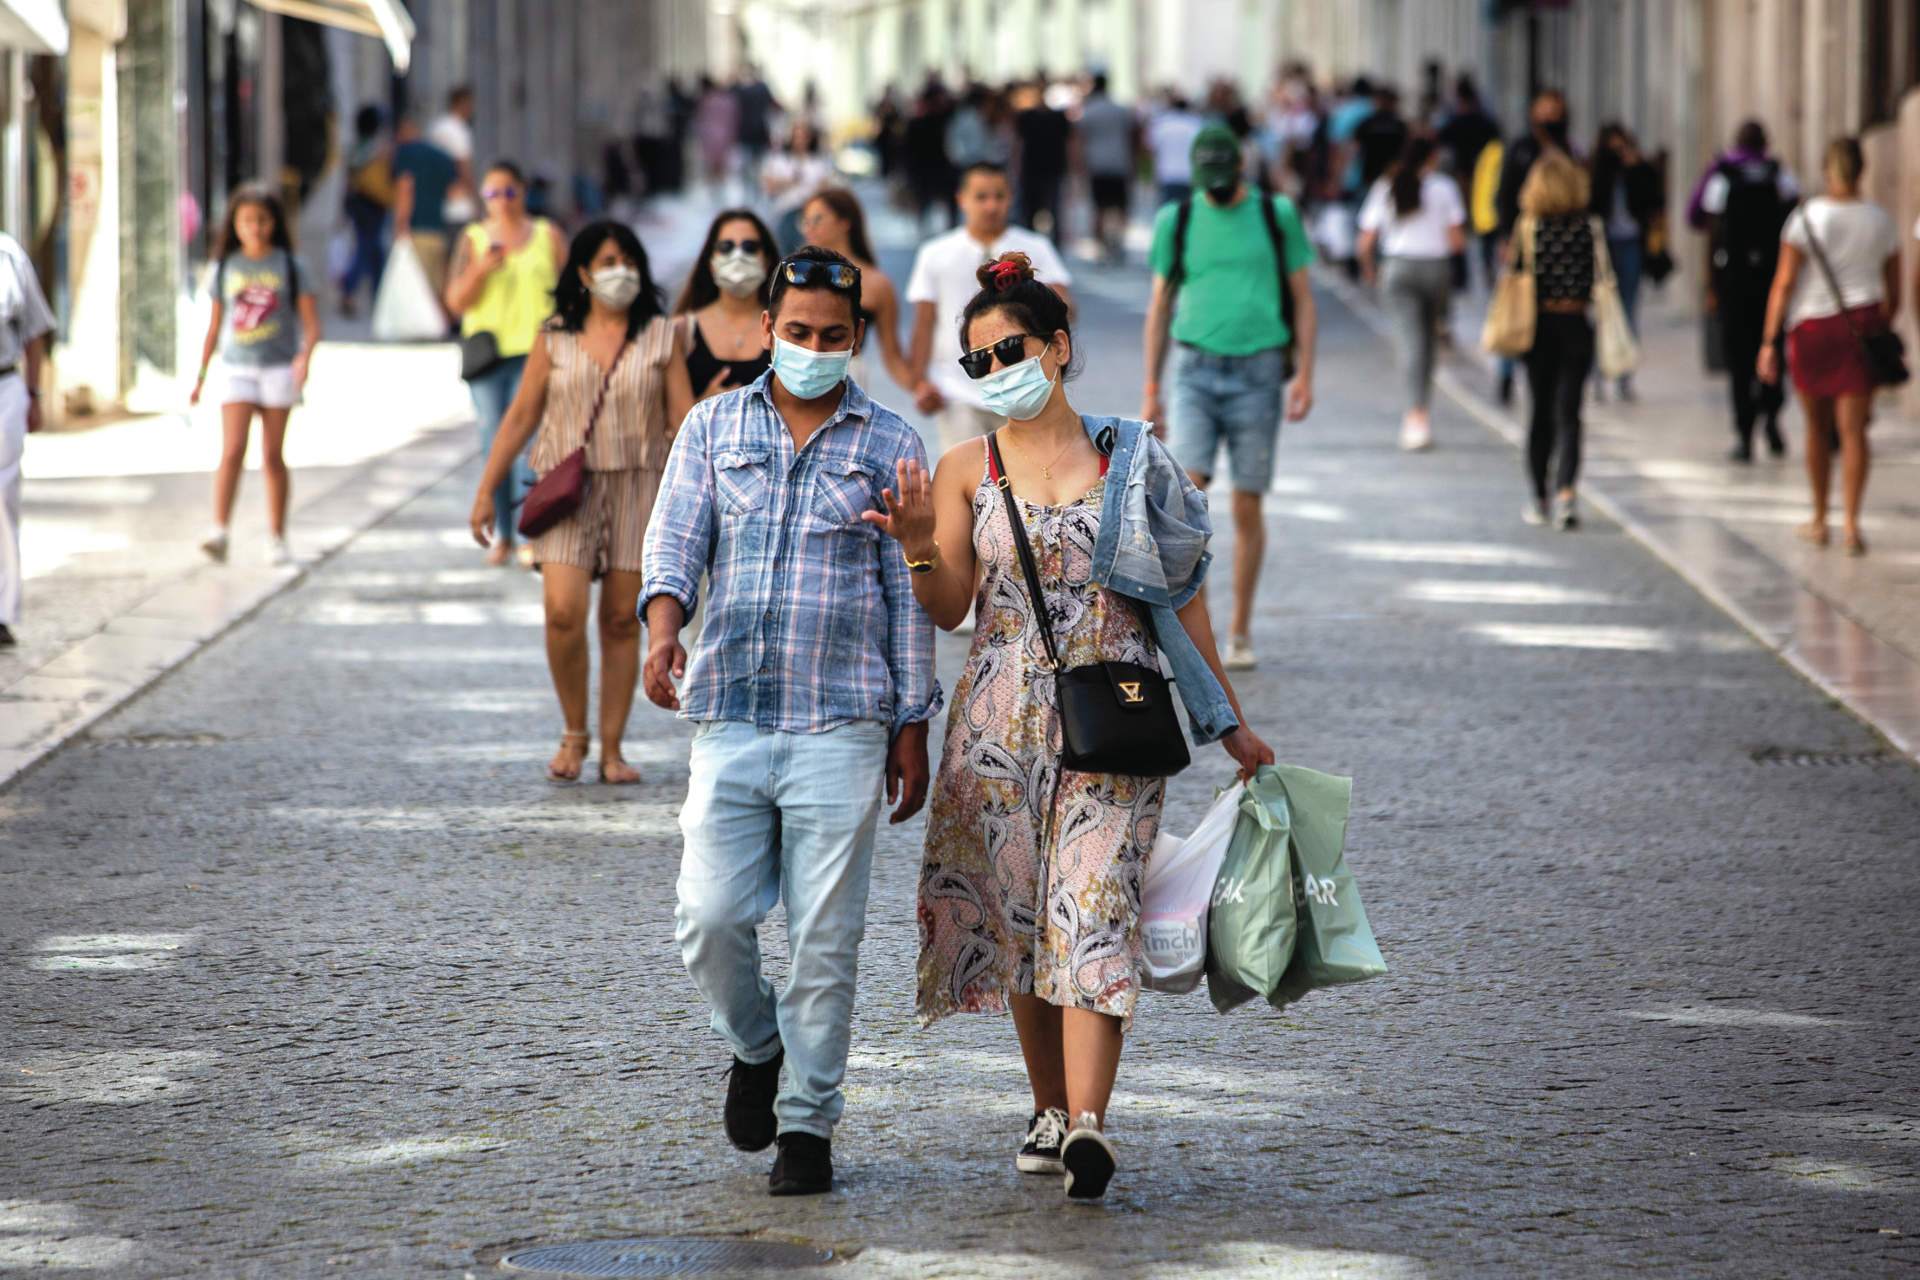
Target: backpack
point(1746, 240)
point(1278, 238)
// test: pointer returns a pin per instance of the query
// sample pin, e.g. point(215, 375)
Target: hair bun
point(1004, 272)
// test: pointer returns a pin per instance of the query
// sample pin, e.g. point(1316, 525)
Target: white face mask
point(617, 287)
point(738, 273)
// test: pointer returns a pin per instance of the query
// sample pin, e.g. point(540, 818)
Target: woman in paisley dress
point(1030, 889)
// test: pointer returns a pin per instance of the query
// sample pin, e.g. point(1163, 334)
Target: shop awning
point(386, 19)
point(34, 26)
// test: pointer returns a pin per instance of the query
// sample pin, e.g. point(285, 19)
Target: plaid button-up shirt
point(811, 621)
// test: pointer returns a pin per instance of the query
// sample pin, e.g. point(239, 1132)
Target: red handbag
point(559, 493)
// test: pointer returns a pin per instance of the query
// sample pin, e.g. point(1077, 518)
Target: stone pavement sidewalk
point(1658, 464)
point(117, 588)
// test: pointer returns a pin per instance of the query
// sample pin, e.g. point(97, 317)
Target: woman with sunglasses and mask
point(1030, 886)
point(500, 283)
point(833, 219)
point(607, 362)
point(718, 315)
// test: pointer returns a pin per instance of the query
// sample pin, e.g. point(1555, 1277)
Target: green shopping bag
point(1286, 915)
point(1335, 943)
point(1251, 922)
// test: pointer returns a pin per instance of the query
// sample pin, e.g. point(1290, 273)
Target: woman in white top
point(1414, 218)
point(1831, 371)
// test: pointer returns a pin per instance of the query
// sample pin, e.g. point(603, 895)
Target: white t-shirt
point(1172, 134)
point(1858, 237)
point(1422, 233)
point(943, 274)
point(455, 137)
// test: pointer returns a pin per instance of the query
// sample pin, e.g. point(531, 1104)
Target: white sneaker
point(1565, 514)
point(215, 544)
point(1089, 1159)
point(1535, 512)
point(1416, 433)
point(278, 552)
point(1239, 656)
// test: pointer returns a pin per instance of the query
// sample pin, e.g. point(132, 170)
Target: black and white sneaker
point(1089, 1159)
point(1041, 1151)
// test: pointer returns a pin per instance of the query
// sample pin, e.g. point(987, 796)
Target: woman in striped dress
point(609, 342)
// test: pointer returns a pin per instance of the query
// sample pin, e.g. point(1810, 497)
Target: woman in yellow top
point(501, 282)
point(610, 342)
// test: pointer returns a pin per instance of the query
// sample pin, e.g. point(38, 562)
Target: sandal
point(562, 775)
point(617, 763)
point(1813, 531)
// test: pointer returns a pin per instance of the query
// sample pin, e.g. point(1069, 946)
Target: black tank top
point(702, 364)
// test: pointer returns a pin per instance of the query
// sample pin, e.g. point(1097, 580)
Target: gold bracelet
point(926, 566)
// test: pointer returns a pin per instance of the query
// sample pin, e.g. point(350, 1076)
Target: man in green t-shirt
point(1233, 336)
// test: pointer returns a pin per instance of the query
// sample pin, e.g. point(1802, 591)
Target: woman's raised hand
point(909, 514)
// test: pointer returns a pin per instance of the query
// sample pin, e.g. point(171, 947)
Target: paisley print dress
point(1031, 879)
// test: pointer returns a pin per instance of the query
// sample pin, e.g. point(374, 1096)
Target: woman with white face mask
point(609, 376)
point(1030, 887)
point(718, 316)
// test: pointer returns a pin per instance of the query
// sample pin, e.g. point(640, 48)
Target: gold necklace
point(1047, 470)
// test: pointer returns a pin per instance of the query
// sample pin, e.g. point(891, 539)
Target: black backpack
point(1277, 237)
point(1746, 241)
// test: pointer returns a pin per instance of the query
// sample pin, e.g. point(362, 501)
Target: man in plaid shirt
point(812, 684)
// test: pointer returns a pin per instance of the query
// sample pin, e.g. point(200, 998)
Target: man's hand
point(906, 769)
point(1300, 398)
point(33, 414)
point(1153, 410)
point(927, 397)
point(666, 657)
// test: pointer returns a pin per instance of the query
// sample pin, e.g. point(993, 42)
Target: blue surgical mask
point(1019, 391)
point(809, 374)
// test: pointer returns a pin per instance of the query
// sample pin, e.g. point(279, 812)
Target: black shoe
point(1041, 1152)
point(1776, 447)
point(751, 1088)
point(6, 637)
point(1089, 1160)
point(1506, 389)
point(803, 1167)
point(1742, 452)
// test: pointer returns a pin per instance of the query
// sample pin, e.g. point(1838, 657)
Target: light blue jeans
point(492, 392)
point(1230, 400)
point(790, 817)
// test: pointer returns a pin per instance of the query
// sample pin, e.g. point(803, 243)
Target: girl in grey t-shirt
point(264, 326)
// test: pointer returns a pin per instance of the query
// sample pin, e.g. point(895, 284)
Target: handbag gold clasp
point(1130, 690)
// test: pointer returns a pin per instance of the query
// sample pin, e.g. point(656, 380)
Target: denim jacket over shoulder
point(1153, 548)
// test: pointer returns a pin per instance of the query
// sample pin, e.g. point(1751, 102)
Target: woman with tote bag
point(1030, 886)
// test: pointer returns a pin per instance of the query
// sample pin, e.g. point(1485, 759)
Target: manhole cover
point(664, 1257)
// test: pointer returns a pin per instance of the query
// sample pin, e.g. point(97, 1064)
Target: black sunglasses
point(744, 246)
point(1011, 349)
point(805, 273)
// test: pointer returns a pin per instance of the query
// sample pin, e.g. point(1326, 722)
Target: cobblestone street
point(308, 971)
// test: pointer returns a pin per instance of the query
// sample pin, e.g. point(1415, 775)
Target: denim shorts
point(1226, 399)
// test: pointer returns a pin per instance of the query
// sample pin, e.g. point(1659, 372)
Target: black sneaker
point(6, 637)
point(1089, 1159)
point(751, 1088)
point(803, 1167)
point(1742, 452)
point(1041, 1152)
point(1776, 447)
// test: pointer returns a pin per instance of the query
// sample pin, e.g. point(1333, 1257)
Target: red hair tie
point(1006, 275)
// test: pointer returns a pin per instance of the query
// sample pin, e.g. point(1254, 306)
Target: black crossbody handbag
point(1115, 717)
point(1886, 353)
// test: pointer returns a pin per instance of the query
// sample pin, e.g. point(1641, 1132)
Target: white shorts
point(270, 385)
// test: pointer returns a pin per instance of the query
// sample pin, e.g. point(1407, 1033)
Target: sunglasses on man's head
point(499, 193)
point(724, 247)
point(809, 274)
point(1011, 349)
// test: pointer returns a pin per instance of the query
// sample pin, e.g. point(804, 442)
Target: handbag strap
point(1833, 281)
point(997, 472)
point(600, 397)
point(1602, 258)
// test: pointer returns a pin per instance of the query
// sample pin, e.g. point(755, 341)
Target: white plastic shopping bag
point(1178, 889)
point(405, 309)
